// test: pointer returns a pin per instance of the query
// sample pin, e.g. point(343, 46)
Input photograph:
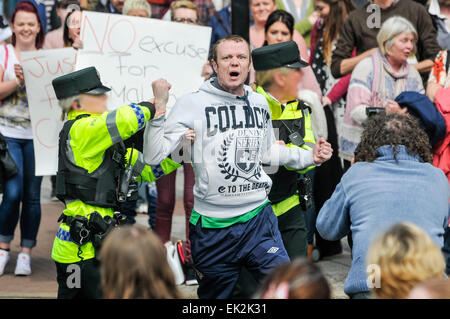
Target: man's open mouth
point(234, 74)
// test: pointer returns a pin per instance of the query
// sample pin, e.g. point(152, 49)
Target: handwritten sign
point(40, 68)
point(131, 52)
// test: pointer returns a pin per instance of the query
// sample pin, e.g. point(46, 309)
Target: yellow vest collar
point(290, 110)
point(73, 114)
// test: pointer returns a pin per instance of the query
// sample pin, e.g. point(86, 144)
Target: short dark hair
point(232, 37)
point(282, 16)
point(393, 130)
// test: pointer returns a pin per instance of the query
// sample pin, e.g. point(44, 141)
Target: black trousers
point(79, 280)
point(292, 226)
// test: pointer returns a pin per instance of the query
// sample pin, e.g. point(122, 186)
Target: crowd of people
point(330, 121)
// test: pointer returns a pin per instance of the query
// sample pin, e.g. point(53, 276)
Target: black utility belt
point(95, 229)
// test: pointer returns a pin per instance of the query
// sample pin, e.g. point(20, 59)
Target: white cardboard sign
point(40, 68)
point(131, 52)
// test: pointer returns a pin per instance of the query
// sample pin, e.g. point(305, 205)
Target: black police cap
point(284, 54)
point(84, 81)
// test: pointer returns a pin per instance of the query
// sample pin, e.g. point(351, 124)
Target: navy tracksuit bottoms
point(219, 253)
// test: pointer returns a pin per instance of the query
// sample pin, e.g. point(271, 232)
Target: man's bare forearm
point(424, 66)
point(347, 65)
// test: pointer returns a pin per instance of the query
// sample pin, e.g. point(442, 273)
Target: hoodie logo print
point(245, 158)
point(246, 153)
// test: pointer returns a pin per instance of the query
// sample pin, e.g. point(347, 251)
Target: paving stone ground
point(42, 283)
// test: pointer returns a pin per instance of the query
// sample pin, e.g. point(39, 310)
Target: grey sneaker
point(23, 267)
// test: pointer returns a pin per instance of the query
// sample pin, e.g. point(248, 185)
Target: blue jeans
point(24, 188)
point(152, 200)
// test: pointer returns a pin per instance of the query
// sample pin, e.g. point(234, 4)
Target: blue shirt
point(372, 197)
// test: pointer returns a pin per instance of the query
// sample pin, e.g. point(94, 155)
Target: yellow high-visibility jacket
point(284, 193)
point(90, 137)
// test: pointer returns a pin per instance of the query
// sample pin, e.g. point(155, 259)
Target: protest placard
point(40, 68)
point(131, 52)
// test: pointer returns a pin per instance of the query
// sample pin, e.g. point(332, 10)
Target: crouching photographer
point(96, 172)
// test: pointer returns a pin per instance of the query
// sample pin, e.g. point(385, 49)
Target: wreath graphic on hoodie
point(246, 163)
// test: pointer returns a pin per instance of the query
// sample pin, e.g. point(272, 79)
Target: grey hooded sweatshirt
point(233, 139)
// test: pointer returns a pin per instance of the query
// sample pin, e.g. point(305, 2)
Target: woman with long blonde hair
point(405, 256)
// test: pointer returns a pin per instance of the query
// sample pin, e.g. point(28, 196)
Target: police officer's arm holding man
point(96, 172)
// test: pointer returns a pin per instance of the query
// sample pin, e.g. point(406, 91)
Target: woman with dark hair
point(323, 40)
point(324, 36)
point(55, 38)
point(279, 27)
point(22, 191)
point(72, 26)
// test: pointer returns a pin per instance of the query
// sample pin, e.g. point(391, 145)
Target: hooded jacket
point(234, 138)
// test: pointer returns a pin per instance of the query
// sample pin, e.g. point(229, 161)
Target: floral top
point(440, 74)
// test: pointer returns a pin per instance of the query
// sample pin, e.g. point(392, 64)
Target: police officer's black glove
point(136, 141)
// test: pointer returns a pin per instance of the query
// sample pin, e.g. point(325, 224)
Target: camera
point(374, 110)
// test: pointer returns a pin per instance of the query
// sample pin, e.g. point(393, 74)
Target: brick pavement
point(42, 282)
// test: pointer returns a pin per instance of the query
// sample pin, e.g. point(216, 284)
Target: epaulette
point(304, 105)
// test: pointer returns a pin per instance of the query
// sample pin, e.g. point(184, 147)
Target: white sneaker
point(4, 258)
point(23, 267)
point(142, 209)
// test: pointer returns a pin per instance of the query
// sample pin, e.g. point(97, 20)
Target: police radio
point(126, 186)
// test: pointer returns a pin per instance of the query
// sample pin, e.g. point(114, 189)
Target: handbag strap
point(6, 62)
point(447, 62)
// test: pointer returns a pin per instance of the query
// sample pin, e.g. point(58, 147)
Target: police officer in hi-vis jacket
point(96, 172)
point(277, 78)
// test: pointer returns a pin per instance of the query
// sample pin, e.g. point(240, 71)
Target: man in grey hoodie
point(232, 223)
